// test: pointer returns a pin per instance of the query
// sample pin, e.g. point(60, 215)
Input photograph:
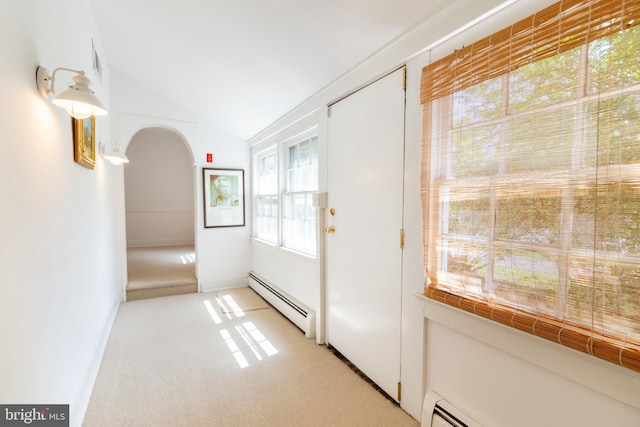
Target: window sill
point(619, 383)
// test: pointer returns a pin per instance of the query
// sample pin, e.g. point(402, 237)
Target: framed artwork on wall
point(84, 141)
point(223, 197)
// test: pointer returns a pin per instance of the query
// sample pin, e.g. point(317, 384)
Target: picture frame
point(223, 197)
point(84, 141)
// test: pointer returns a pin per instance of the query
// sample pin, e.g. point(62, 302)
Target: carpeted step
point(162, 291)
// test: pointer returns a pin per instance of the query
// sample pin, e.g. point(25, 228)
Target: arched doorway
point(159, 215)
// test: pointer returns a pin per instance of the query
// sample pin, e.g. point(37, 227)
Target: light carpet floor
point(226, 359)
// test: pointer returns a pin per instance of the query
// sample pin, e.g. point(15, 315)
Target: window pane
point(463, 264)
point(545, 82)
point(613, 131)
point(267, 179)
point(293, 156)
point(267, 218)
point(607, 218)
point(305, 156)
point(478, 103)
point(299, 223)
point(529, 219)
point(612, 288)
point(468, 217)
point(527, 278)
point(613, 61)
point(474, 152)
point(302, 175)
point(551, 147)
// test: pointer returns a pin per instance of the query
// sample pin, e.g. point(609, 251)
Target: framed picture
point(223, 197)
point(84, 141)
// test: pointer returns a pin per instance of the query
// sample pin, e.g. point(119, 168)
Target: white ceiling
point(243, 64)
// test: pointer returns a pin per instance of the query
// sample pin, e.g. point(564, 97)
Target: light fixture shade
point(79, 100)
point(115, 156)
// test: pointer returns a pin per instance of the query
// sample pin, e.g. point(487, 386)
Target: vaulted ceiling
point(243, 64)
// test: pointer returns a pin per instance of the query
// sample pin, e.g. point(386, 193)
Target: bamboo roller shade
point(556, 29)
point(553, 30)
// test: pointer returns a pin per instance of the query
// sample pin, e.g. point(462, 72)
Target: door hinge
point(404, 78)
point(402, 238)
point(399, 391)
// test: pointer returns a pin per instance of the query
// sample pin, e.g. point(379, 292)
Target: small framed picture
point(223, 197)
point(84, 141)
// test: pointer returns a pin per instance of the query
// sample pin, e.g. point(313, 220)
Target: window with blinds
point(531, 177)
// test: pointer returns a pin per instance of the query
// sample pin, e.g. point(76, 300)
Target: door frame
point(323, 330)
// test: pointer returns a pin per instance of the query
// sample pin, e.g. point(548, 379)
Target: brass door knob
point(330, 229)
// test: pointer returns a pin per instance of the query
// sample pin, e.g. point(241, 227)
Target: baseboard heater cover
point(301, 316)
point(437, 412)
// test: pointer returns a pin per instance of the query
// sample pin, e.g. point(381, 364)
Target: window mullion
point(493, 202)
point(567, 219)
point(283, 166)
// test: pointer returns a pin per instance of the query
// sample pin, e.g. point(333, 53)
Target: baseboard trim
point(80, 401)
point(224, 284)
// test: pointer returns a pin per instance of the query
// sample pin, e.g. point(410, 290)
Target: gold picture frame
point(84, 141)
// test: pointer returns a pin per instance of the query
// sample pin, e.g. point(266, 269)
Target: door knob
point(330, 229)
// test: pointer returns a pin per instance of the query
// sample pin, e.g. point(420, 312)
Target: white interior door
point(363, 254)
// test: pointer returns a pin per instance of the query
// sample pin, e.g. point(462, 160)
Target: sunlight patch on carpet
point(240, 300)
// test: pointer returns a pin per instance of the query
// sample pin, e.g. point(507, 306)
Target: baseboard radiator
point(301, 316)
point(437, 412)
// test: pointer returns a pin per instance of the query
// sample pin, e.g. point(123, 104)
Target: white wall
point(58, 230)
point(159, 190)
point(501, 376)
point(223, 254)
point(294, 273)
point(427, 363)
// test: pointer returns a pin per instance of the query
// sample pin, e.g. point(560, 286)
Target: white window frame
point(281, 146)
point(308, 224)
point(260, 195)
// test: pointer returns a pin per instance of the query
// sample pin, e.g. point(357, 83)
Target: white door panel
point(363, 259)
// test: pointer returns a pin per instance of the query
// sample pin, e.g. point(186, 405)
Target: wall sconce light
point(79, 100)
point(114, 155)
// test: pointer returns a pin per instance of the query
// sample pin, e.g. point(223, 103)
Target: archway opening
point(160, 220)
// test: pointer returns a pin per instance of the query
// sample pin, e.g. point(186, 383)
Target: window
point(531, 177)
point(284, 211)
point(266, 195)
point(299, 214)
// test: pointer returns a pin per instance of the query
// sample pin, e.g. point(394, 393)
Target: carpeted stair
point(160, 271)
